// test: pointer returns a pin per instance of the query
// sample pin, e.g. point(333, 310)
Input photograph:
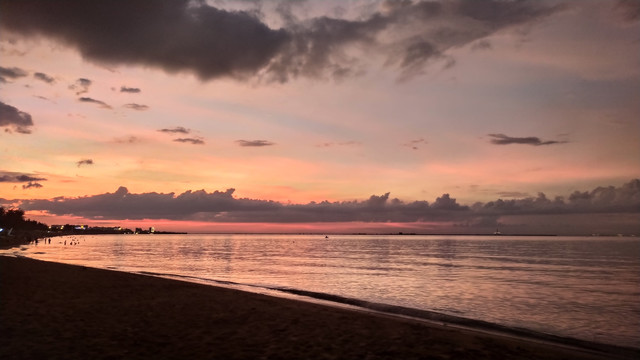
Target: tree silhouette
point(14, 219)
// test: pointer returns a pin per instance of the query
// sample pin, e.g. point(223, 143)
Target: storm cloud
point(183, 35)
point(502, 139)
point(13, 119)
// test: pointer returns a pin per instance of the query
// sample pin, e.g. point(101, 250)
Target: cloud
point(127, 140)
point(482, 45)
point(94, 101)
point(502, 139)
point(44, 77)
point(194, 141)
point(11, 73)
point(129, 90)
point(137, 107)
point(8, 176)
point(222, 206)
point(32, 185)
point(413, 144)
point(343, 143)
point(81, 86)
point(84, 162)
point(512, 194)
point(254, 143)
point(12, 118)
point(31, 181)
point(183, 35)
point(176, 130)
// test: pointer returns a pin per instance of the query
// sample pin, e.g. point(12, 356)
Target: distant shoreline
point(26, 237)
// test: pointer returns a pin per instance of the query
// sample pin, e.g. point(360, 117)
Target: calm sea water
point(581, 287)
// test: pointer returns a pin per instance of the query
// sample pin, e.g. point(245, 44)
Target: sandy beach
point(50, 310)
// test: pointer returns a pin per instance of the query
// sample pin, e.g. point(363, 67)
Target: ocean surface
point(580, 287)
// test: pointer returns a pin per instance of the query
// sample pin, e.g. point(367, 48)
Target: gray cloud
point(183, 35)
point(129, 90)
point(13, 119)
point(176, 130)
point(11, 73)
point(502, 139)
point(44, 77)
point(624, 199)
point(223, 207)
point(94, 101)
point(84, 162)
point(194, 141)
point(32, 181)
point(32, 185)
point(81, 86)
point(9, 176)
point(137, 107)
point(254, 143)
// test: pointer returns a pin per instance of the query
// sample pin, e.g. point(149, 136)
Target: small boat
point(497, 232)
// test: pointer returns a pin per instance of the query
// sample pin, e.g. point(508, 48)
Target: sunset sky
point(328, 116)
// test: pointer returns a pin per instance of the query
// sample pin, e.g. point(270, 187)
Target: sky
point(323, 116)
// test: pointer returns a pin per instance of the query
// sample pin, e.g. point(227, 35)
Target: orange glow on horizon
point(209, 227)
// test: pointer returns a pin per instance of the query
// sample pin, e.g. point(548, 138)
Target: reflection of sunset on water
point(582, 287)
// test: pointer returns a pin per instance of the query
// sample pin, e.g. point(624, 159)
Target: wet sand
point(50, 310)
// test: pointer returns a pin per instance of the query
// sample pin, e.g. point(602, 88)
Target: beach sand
point(57, 311)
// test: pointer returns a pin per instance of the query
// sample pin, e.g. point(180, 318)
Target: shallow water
point(582, 287)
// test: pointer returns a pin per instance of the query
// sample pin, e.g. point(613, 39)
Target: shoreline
point(70, 311)
point(416, 314)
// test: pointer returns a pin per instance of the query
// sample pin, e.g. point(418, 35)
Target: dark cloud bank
point(222, 207)
point(182, 35)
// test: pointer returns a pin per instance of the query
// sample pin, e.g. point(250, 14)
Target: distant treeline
point(14, 219)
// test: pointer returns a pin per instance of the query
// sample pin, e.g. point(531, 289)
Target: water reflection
point(579, 287)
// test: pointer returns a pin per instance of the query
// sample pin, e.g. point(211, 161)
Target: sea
point(585, 288)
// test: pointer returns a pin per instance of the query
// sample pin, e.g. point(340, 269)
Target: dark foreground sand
point(56, 311)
